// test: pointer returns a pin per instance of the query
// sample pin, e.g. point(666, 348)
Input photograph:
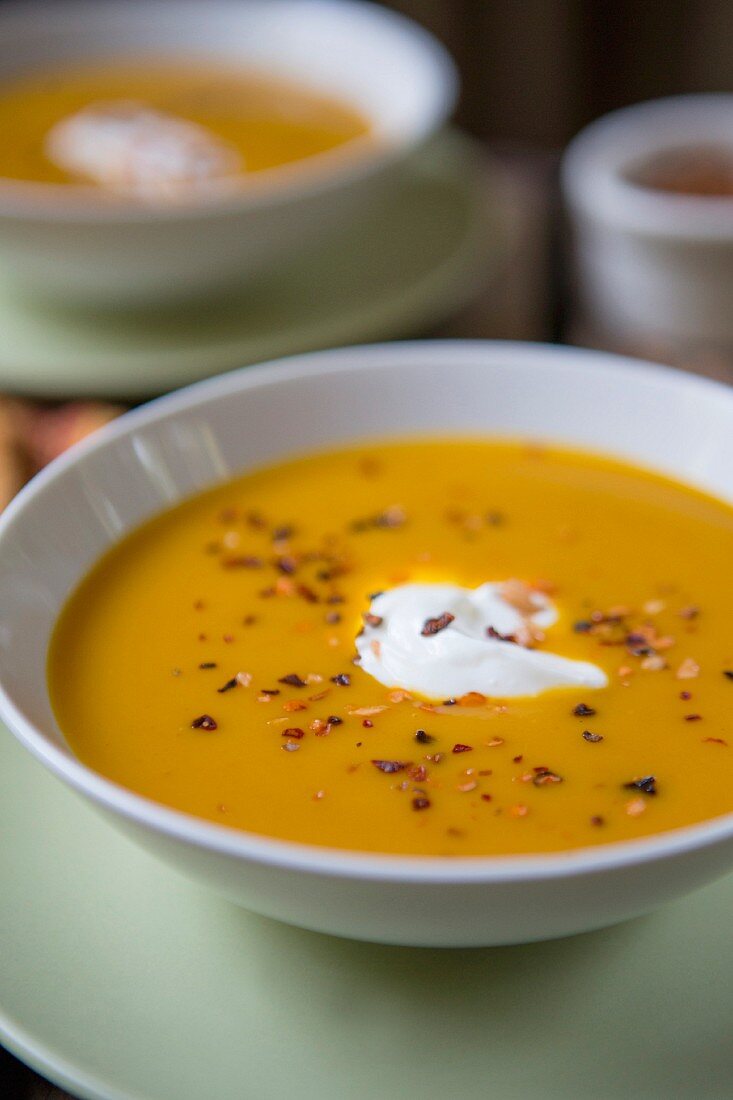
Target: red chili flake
point(486, 798)
point(368, 724)
point(693, 717)
point(462, 748)
point(389, 766)
point(334, 720)
point(228, 638)
point(647, 784)
point(270, 691)
point(293, 680)
point(335, 597)
point(495, 519)
point(583, 711)
point(434, 626)
point(518, 759)
point(307, 593)
point(202, 637)
point(243, 561)
point(690, 612)
point(545, 776)
point(208, 664)
point(228, 685)
point(421, 803)
point(594, 738)
point(583, 626)
point(423, 738)
point(332, 618)
point(267, 593)
point(342, 679)
point(254, 519)
point(728, 673)
point(204, 722)
point(294, 731)
point(715, 740)
point(685, 695)
point(372, 620)
point(248, 620)
point(597, 820)
point(492, 632)
point(419, 773)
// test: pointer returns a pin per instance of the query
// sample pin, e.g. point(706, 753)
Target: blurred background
point(536, 72)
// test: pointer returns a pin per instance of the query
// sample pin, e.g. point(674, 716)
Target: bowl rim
point(223, 840)
point(325, 172)
point(595, 164)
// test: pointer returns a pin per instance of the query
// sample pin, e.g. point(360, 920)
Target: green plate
point(118, 979)
point(413, 260)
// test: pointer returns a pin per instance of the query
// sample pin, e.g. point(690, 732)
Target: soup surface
point(207, 661)
point(266, 122)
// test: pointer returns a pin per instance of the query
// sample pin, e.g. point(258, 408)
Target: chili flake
point(423, 738)
point(594, 738)
point(434, 626)
point(204, 722)
point(389, 766)
point(342, 679)
point(583, 711)
point(647, 784)
point(462, 748)
point(372, 620)
point(545, 776)
point(293, 680)
point(228, 685)
point(420, 803)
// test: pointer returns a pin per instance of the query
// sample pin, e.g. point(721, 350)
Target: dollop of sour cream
point(128, 146)
point(399, 649)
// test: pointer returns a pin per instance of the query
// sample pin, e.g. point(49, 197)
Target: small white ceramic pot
point(653, 268)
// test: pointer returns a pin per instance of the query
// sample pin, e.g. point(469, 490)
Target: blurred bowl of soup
point(156, 150)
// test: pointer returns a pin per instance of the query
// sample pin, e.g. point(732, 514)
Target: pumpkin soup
point(449, 648)
point(150, 128)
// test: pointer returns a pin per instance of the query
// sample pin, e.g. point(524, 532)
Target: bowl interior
point(382, 64)
point(151, 459)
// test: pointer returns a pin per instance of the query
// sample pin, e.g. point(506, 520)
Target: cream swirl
point(442, 640)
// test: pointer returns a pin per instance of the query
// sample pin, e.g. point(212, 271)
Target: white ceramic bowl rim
point(56, 203)
point(597, 161)
point(322, 860)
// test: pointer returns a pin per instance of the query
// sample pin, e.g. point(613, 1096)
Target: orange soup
point(263, 122)
point(231, 658)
